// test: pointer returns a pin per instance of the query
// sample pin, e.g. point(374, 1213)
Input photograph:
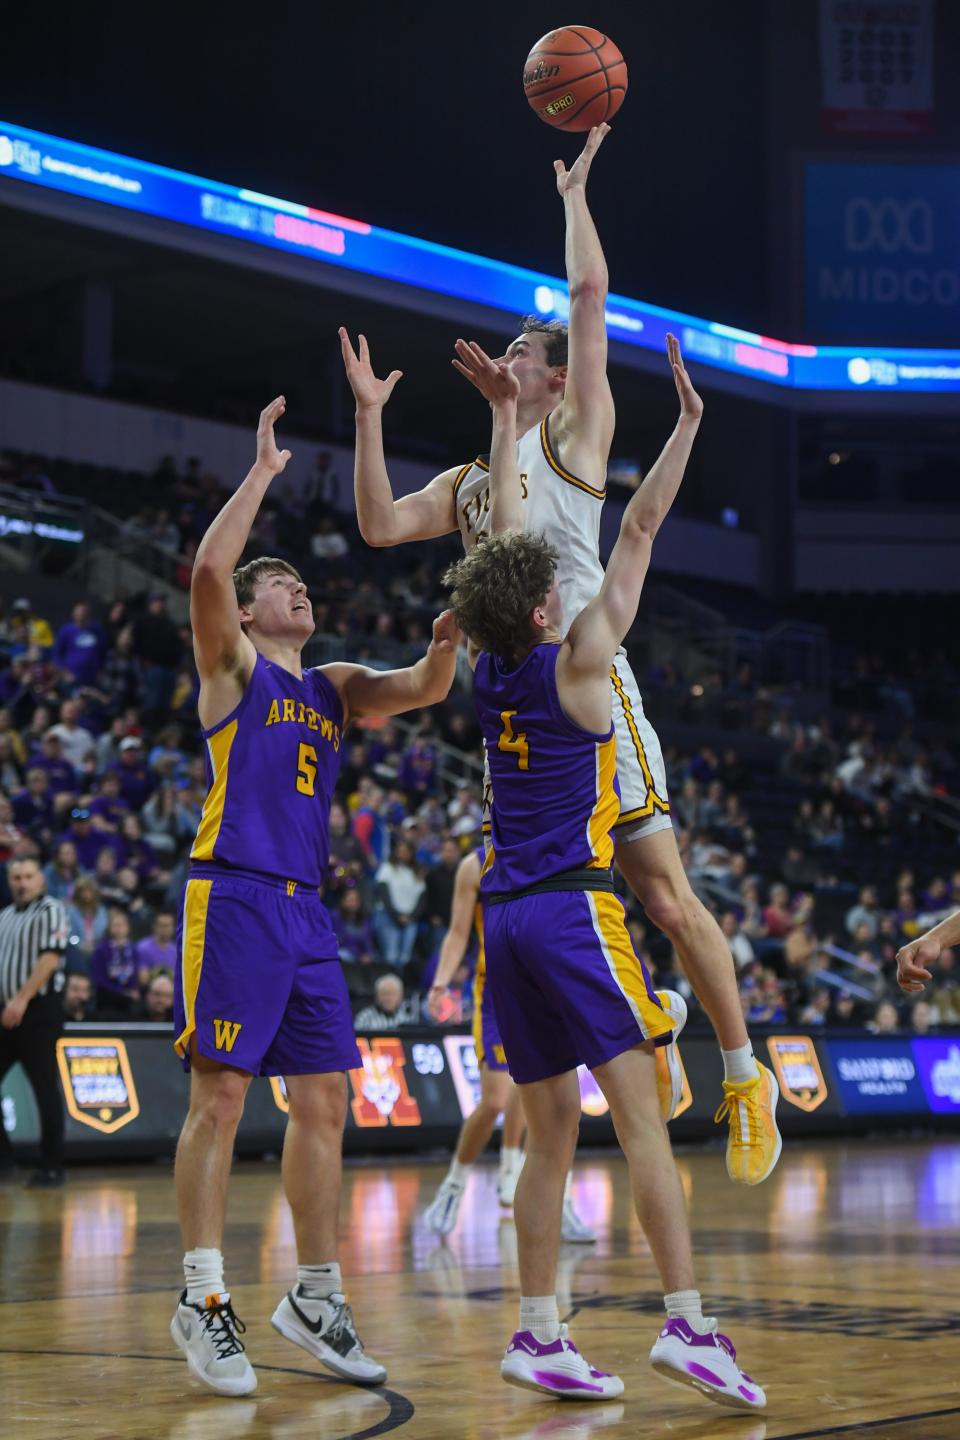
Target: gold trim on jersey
point(196, 901)
point(609, 926)
point(555, 465)
point(653, 801)
point(462, 474)
point(606, 808)
point(219, 746)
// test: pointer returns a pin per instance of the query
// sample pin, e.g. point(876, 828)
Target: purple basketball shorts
point(259, 985)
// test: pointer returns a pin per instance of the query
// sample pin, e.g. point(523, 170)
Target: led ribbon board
point(71, 168)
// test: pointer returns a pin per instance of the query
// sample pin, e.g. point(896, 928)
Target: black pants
point(34, 1043)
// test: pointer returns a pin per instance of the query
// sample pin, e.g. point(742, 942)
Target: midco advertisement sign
point(882, 252)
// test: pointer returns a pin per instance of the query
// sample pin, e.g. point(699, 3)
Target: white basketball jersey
point(558, 505)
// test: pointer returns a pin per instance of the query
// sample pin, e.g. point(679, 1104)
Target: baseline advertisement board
point(126, 1095)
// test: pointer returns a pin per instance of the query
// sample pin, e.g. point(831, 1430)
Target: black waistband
point(566, 880)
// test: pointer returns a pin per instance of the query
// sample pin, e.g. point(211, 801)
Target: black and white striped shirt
point(26, 933)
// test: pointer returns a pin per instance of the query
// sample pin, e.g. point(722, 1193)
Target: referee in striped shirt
point(33, 939)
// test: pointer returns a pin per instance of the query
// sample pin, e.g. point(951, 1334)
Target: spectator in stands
point(846, 1009)
point(945, 994)
point(157, 644)
point(122, 675)
point(399, 890)
point(328, 543)
point(885, 1019)
point(817, 1009)
point(923, 1017)
point(33, 806)
point(158, 951)
point(864, 918)
point(87, 918)
point(63, 871)
point(777, 915)
point(740, 947)
point(114, 969)
point(10, 831)
point(76, 740)
point(11, 776)
point(389, 1009)
point(368, 826)
point(90, 842)
point(138, 853)
point(78, 997)
point(156, 1004)
point(136, 782)
point(438, 890)
point(108, 809)
point(418, 769)
point(80, 647)
point(354, 932)
point(324, 489)
point(27, 628)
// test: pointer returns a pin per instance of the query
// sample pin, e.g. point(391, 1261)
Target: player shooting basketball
point(565, 424)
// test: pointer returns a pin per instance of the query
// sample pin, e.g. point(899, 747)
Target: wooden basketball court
point(838, 1280)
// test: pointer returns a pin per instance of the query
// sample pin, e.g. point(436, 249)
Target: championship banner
point(97, 1083)
point(876, 67)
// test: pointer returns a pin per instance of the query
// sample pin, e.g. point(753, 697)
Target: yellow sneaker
point(754, 1142)
point(667, 1057)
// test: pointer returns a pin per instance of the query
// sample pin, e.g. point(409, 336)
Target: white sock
point(458, 1173)
point(686, 1305)
point(511, 1157)
point(203, 1273)
point(568, 1188)
point(319, 1282)
point(539, 1315)
point(739, 1065)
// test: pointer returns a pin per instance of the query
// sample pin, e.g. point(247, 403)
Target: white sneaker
point(557, 1369)
point(326, 1330)
point(507, 1182)
point(572, 1229)
point(209, 1335)
point(440, 1215)
point(705, 1361)
point(669, 1070)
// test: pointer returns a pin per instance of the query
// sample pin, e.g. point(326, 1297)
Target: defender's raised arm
point(218, 641)
point(382, 519)
point(498, 384)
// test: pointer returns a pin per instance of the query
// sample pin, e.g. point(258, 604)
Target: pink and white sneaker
point(556, 1369)
point(707, 1362)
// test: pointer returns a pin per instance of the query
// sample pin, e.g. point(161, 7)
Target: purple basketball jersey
point(555, 791)
point(271, 767)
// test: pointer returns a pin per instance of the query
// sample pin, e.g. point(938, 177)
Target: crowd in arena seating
point(793, 830)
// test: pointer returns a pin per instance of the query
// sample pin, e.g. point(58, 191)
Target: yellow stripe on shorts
point(608, 923)
point(195, 904)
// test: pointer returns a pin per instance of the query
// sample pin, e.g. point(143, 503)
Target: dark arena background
point(192, 201)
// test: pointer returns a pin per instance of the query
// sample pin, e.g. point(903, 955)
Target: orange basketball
point(575, 77)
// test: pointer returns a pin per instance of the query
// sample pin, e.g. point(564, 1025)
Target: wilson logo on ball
point(541, 72)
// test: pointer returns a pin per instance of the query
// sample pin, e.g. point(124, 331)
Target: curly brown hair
point(246, 578)
point(494, 588)
point(554, 334)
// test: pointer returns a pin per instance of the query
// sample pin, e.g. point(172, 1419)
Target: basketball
point(575, 77)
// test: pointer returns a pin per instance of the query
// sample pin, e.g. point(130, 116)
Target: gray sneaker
point(326, 1330)
point(209, 1336)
